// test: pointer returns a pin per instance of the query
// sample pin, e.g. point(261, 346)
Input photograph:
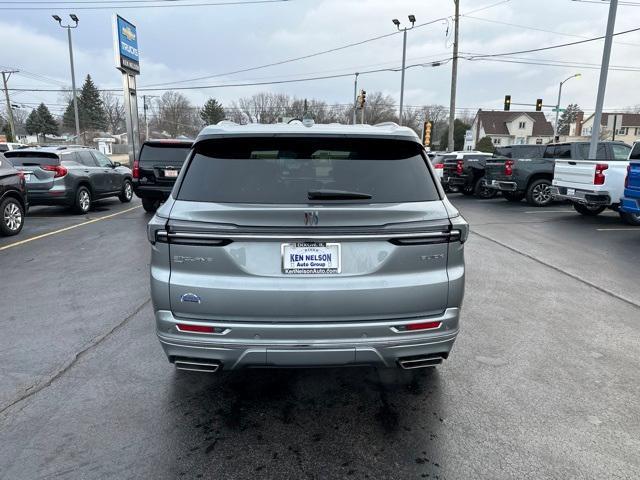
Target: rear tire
point(513, 196)
point(539, 193)
point(12, 217)
point(467, 190)
point(588, 211)
point(127, 192)
point(630, 218)
point(83, 201)
point(150, 204)
point(480, 191)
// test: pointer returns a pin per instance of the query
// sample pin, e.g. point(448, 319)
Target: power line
point(173, 4)
point(551, 47)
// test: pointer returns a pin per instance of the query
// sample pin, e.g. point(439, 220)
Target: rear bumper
point(243, 345)
point(454, 181)
point(503, 186)
point(585, 197)
point(151, 191)
point(50, 197)
point(630, 205)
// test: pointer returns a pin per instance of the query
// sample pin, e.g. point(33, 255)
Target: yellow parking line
point(55, 232)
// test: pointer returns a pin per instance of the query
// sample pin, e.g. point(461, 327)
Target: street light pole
point(73, 74)
point(396, 22)
point(602, 84)
point(555, 127)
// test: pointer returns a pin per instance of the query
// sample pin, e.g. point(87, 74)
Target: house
point(626, 126)
point(509, 128)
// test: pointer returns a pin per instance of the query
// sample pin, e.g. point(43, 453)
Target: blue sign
point(127, 45)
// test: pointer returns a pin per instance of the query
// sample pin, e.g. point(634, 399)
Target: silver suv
point(293, 245)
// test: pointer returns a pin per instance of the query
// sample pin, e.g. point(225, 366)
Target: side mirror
point(116, 164)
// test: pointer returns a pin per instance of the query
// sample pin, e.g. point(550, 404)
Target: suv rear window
point(164, 154)
point(283, 170)
point(19, 159)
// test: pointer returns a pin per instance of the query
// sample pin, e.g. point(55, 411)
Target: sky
point(181, 42)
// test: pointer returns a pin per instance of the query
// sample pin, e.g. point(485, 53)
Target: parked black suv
point(13, 198)
point(156, 169)
point(71, 176)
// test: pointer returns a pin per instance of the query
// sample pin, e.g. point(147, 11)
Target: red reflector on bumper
point(422, 326)
point(196, 328)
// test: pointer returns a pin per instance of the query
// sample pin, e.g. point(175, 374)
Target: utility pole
point(602, 84)
point(454, 77)
point(355, 97)
point(73, 74)
point(6, 74)
point(144, 109)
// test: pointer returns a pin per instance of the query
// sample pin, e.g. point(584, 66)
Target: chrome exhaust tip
point(197, 365)
point(422, 361)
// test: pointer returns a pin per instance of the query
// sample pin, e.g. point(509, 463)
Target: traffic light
point(539, 105)
point(426, 134)
point(507, 103)
point(362, 98)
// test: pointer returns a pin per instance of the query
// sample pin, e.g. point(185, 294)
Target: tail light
point(439, 165)
point(59, 170)
point(598, 178)
point(412, 327)
point(184, 327)
point(136, 169)
point(626, 179)
point(459, 167)
point(508, 167)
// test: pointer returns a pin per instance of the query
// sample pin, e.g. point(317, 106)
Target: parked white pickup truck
point(591, 185)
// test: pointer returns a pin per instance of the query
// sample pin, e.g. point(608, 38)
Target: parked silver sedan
point(294, 245)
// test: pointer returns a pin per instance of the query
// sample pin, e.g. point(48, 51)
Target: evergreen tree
point(459, 130)
point(567, 118)
point(41, 122)
point(485, 144)
point(212, 112)
point(90, 109)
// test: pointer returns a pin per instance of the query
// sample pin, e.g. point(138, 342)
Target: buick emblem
point(311, 219)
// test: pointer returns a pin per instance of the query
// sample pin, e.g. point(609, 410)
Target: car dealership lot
point(542, 383)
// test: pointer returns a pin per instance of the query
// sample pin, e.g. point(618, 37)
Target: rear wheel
point(630, 218)
point(127, 192)
point(483, 192)
point(513, 196)
point(150, 204)
point(82, 203)
point(588, 210)
point(467, 189)
point(12, 218)
point(539, 193)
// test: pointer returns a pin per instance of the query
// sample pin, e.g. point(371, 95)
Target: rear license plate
point(171, 173)
point(310, 258)
point(571, 191)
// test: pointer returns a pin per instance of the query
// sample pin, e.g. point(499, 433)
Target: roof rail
point(226, 122)
point(387, 124)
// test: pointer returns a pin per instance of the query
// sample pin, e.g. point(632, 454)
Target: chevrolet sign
point(126, 46)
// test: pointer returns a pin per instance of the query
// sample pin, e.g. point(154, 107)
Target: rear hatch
point(285, 229)
point(494, 168)
point(39, 168)
point(161, 161)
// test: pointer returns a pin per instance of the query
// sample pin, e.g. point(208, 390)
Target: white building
point(509, 128)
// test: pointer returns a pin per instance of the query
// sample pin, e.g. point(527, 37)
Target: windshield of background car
point(283, 170)
point(583, 151)
point(25, 159)
point(164, 154)
point(527, 151)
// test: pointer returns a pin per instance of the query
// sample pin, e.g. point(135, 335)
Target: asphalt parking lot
point(543, 382)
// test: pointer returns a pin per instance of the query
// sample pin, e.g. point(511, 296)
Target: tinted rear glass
point(527, 151)
point(635, 153)
point(19, 159)
point(284, 170)
point(172, 154)
point(583, 152)
point(504, 152)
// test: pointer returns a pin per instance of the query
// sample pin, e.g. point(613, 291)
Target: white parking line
point(624, 229)
point(65, 229)
point(543, 210)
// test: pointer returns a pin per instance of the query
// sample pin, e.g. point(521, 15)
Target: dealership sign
point(125, 39)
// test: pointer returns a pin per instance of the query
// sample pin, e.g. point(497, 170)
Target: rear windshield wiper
point(337, 195)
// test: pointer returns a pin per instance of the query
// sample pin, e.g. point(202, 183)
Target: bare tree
point(379, 108)
point(114, 110)
point(176, 116)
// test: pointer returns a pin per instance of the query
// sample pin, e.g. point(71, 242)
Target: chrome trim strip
point(258, 236)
